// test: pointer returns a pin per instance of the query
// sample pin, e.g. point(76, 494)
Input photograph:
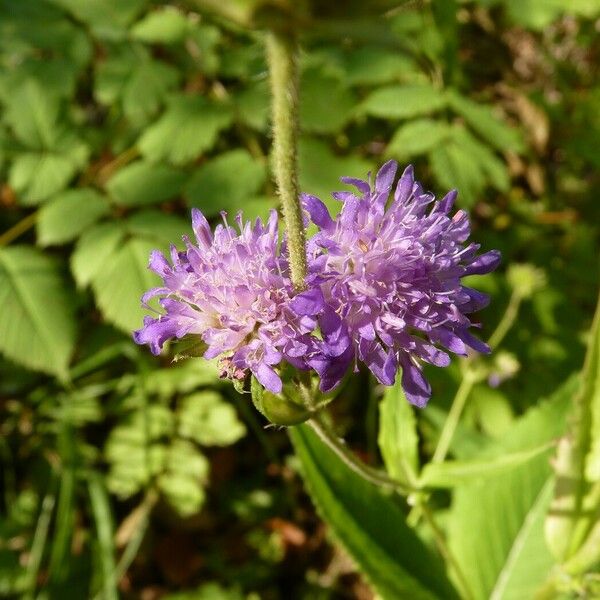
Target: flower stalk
point(282, 52)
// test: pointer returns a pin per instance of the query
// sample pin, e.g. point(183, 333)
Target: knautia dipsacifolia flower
point(391, 270)
point(232, 290)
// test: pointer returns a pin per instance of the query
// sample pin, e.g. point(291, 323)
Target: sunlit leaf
point(37, 321)
point(403, 101)
point(166, 26)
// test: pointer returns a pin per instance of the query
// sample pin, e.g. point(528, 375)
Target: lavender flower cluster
point(383, 289)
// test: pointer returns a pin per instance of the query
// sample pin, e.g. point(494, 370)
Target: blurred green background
point(124, 475)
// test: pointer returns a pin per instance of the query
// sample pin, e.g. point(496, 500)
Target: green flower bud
point(280, 409)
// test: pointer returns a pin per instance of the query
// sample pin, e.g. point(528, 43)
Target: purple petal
point(268, 378)
point(308, 303)
point(405, 186)
point(318, 212)
point(360, 184)
point(385, 177)
point(415, 386)
point(484, 263)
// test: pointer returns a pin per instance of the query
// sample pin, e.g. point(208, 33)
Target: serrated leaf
point(188, 128)
point(166, 26)
point(32, 113)
point(484, 122)
point(120, 283)
point(93, 250)
point(369, 525)
point(142, 183)
point(317, 112)
point(398, 438)
point(455, 168)
point(225, 182)
point(67, 215)
point(403, 101)
point(501, 518)
point(207, 419)
point(37, 322)
point(417, 137)
point(139, 82)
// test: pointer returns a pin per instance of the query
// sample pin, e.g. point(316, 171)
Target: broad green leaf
point(320, 170)
point(370, 525)
point(576, 506)
point(129, 75)
point(120, 283)
point(452, 473)
point(188, 128)
point(37, 321)
point(32, 114)
point(208, 420)
point(403, 101)
point(164, 228)
point(317, 111)
point(187, 377)
point(500, 518)
point(64, 217)
point(417, 137)
point(454, 167)
point(538, 14)
point(398, 438)
point(252, 105)
point(165, 26)
point(108, 19)
point(372, 65)
point(93, 250)
point(481, 118)
point(142, 183)
point(225, 182)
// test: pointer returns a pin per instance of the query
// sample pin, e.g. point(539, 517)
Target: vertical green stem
point(282, 52)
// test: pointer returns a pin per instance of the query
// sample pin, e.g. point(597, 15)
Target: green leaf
point(187, 377)
point(320, 170)
point(132, 77)
point(207, 419)
point(398, 438)
point(142, 183)
point(113, 257)
point(165, 26)
point(483, 121)
point(108, 19)
point(417, 137)
point(37, 322)
point(94, 248)
point(32, 114)
point(403, 101)
point(67, 215)
point(573, 520)
point(252, 105)
point(317, 111)
point(369, 525)
point(183, 480)
point(188, 128)
point(225, 182)
point(120, 283)
point(452, 473)
point(371, 65)
point(501, 518)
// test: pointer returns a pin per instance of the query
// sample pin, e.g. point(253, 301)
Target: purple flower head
point(232, 290)
point(390, 271)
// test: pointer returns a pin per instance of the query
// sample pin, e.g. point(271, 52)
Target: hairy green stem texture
point(282, 51)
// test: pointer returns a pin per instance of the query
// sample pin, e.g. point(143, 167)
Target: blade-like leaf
point(37, 322)
point(398, 439)
point(456, 472)
point(494, 524)
point(370, 526)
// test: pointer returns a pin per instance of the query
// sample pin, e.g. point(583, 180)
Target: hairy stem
point(282, 51)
